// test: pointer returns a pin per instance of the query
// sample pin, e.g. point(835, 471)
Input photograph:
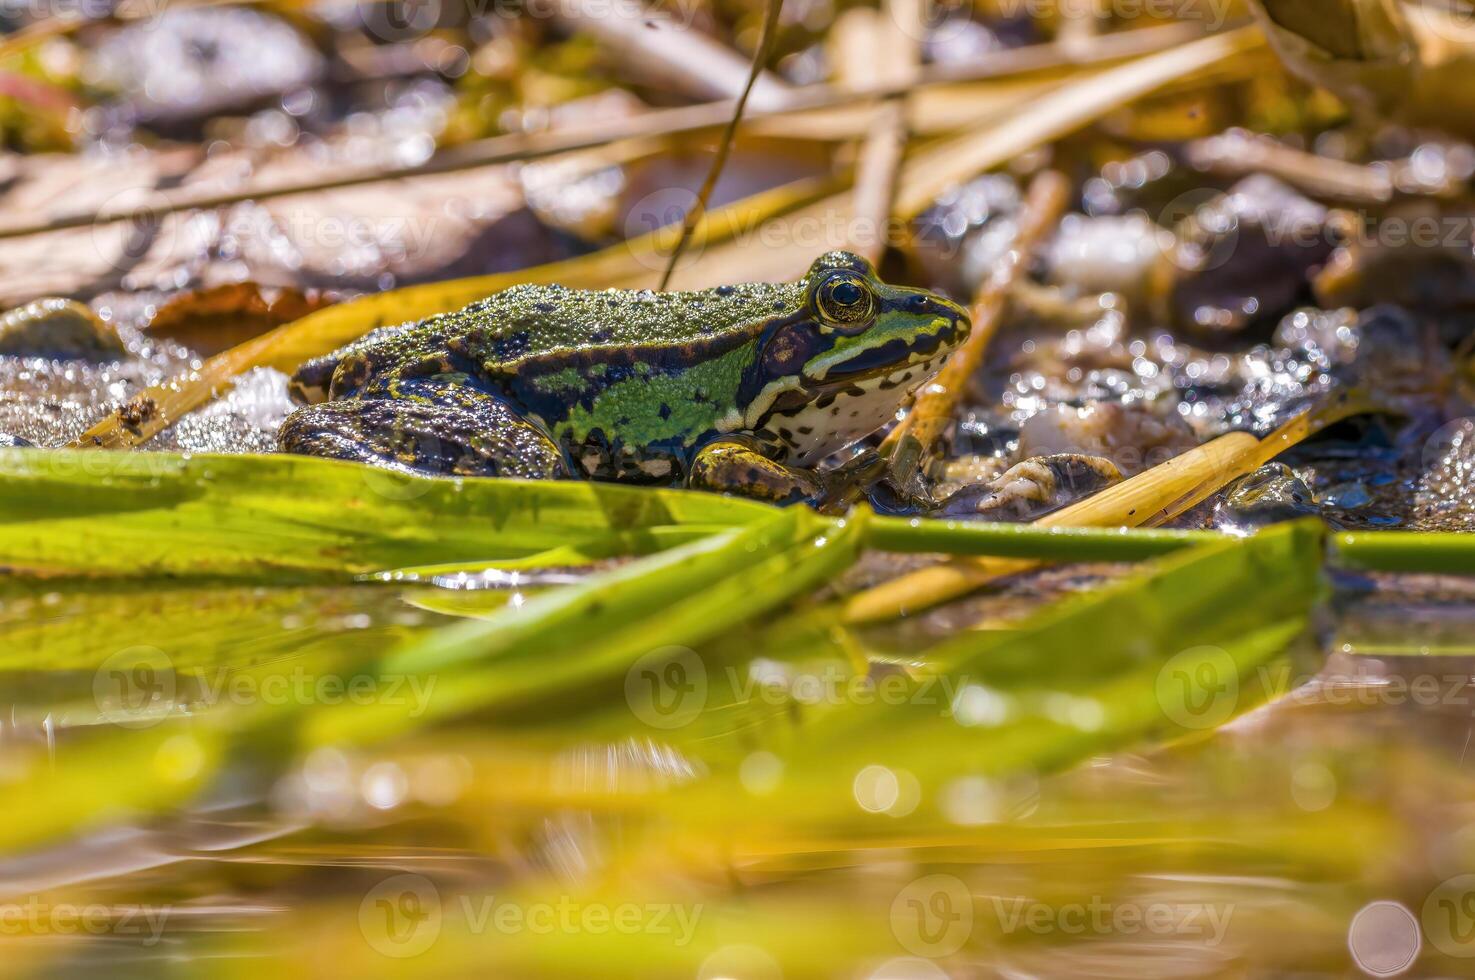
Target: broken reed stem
point(724, 144)
point(872, 53)
point(875, 178)
point(915, 436)
point(1150, 498)
point(1236, 154)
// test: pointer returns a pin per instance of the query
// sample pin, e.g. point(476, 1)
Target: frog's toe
point(480, 439)
point(1033, 488)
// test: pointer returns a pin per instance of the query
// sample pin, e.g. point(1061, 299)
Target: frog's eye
point(845, 301)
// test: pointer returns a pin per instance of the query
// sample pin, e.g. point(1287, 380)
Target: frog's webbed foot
point(437, 427)
point(740, 467)
point(854, 480)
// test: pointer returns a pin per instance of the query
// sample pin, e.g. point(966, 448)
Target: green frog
point(739, 388)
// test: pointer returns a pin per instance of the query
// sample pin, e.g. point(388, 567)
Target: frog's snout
point(952, 323)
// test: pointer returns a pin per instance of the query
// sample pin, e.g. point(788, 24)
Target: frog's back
point(534, 326)
point(537, 322)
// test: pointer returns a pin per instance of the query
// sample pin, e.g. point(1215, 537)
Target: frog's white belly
point(815, 432)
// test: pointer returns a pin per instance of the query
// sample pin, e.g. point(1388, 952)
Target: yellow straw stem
point(1150, 498)
point(916, 435)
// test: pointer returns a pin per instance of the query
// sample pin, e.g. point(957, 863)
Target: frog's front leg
point(739, 465)
point(429, 426)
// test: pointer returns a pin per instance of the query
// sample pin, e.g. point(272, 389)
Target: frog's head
point(838, 367)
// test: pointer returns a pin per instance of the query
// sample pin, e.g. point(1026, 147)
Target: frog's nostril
point(919, 304)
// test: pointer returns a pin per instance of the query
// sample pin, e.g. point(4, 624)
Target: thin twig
point(724, 144)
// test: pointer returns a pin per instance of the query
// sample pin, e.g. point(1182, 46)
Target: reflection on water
point(1326, 834)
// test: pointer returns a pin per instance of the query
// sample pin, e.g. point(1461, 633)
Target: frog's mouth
point(901, 377)
point(896, 355)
